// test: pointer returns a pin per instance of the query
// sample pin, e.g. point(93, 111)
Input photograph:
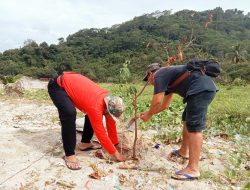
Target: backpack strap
point(179, 79)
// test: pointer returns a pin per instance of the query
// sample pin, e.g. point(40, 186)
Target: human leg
point(195, 146)
point(184, 149)
point(87, 135)
point(195, 122)
point(67, 115)
point(87, 131)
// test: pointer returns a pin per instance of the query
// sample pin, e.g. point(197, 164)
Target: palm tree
point(238, 54)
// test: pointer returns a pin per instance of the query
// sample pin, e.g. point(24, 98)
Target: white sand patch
point(31, 83)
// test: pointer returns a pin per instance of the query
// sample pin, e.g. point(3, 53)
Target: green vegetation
point(229, 113)
point(100, 53)
point(37, 94)
point(119, 55)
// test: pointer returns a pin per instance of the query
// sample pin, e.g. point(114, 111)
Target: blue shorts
point(195, 112)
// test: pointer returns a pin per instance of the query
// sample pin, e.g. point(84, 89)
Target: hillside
point(100, 53)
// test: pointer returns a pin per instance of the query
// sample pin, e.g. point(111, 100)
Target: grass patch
point(229, 112)
point(40, 94)
point(208, 175)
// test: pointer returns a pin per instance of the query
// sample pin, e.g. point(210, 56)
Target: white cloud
point(48, 20)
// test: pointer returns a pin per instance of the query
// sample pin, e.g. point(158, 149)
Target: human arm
point(165, 102)
point(159, 103)
point(111, 129)
point(112, 133)
point(95, 117)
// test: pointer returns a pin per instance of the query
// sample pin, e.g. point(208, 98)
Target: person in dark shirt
point(198, 90)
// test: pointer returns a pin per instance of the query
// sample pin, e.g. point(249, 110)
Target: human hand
point(119, 157)
point(145, 116)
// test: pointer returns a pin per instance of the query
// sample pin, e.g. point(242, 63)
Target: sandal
point(176, 154)
point(69, 163)
point(184, 177)
point(92, 147)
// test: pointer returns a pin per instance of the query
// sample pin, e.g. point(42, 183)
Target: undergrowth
point(229, 112)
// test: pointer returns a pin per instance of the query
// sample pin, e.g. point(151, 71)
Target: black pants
point(67, 115)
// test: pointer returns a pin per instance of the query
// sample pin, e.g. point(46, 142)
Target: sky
point(49, 20)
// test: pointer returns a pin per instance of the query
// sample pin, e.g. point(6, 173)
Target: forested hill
point(100, 53)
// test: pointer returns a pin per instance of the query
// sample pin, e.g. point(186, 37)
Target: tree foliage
point(100, 53)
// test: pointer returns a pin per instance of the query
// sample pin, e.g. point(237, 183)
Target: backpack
point(209, 67)
point(206, 67)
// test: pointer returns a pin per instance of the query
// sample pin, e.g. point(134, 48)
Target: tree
point(30, 43)
point(61, 40)
point(238, 54)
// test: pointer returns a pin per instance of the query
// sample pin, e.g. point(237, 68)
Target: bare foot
point(72, 162)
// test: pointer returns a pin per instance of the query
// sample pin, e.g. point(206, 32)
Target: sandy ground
point(31, 156)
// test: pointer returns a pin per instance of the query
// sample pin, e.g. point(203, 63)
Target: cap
point(151, 68)
point(114, 106)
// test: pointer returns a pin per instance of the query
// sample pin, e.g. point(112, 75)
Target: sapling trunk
point(135, 112)
point(135, 116)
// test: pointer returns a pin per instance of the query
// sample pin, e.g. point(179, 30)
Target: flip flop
point(175, 153)
point(92, 147)
point(67, 162)
point(185, 177)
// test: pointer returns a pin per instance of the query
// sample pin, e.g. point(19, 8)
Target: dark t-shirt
point(193, 84)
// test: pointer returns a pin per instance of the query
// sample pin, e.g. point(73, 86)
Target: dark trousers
point(67, 115)
point(195, 113)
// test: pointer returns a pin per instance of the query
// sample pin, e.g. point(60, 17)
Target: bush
point(7, 79)
point(234, 71)
point(239, 82)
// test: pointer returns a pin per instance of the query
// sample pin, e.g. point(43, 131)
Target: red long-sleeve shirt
point(88, 97)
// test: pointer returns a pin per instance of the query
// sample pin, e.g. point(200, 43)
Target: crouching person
point(70, 91)
point(198, 91)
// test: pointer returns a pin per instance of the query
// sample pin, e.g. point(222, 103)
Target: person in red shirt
point(70, 91)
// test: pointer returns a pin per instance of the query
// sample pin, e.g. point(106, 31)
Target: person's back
point(195, 83)
point(83, 91)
